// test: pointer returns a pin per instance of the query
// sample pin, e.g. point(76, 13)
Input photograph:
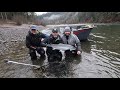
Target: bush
point(2, 21)
point(18, 19)
point(37, 22)
point(43, 24)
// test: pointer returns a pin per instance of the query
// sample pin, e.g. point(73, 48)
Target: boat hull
point(83, 34)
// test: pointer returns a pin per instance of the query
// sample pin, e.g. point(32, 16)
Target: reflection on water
point(105, 47)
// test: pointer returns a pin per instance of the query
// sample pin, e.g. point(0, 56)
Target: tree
point(28, 16)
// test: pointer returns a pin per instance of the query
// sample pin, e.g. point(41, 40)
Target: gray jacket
point(72, 40)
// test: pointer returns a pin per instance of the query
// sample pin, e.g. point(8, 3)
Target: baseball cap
point(55, 31)
point(33, 27)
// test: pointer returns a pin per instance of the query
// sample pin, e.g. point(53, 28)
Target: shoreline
point(24, 26)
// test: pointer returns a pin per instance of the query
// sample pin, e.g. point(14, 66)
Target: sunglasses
point(33, 29)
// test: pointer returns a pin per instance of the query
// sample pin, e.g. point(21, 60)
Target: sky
point(40, 13)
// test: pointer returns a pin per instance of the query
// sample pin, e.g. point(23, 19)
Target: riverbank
point(100, 57)
point(12, 47)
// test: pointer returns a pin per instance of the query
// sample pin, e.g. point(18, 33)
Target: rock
point(13, 40)
point(2, 42)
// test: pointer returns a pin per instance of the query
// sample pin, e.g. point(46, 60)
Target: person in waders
point(54, 38)
point(34, 42)
point(71, 39)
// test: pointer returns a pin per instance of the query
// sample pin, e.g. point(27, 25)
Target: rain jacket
point(35, 40)
point(52, 40)
point(72, 40)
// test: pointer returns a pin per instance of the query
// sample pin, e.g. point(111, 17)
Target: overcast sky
point(40, 13)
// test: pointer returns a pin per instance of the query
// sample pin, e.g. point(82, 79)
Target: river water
point(100, 57)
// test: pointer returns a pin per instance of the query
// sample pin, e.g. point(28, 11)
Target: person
point(72, 39)
point(54, 38)
point(34, 42)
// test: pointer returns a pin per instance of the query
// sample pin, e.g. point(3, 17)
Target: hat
point(33, 27)
point(67, 29)
point(55, 31)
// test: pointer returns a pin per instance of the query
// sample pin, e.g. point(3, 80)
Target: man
point(54, 38)
point(72, 39)
point(34, 42)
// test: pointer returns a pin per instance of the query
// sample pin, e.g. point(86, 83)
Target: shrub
point(18, 19)
point(36, 22)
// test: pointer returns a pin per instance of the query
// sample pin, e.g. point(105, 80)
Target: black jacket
point(34, 40)
point(52, 40)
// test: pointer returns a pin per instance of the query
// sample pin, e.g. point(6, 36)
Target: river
point(100, 57)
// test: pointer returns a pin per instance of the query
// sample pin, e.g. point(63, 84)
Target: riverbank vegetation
point(79, 17)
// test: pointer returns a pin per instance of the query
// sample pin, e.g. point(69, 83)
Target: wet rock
point(23, 47)
point(2, 42)
point(13, 40)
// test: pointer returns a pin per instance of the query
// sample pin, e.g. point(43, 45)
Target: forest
point(79, 17)
point(17, 17)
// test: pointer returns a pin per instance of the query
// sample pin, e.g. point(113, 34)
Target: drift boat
point(80, 30)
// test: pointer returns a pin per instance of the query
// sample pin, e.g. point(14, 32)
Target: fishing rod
point(14, 62)
point(36, 66)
